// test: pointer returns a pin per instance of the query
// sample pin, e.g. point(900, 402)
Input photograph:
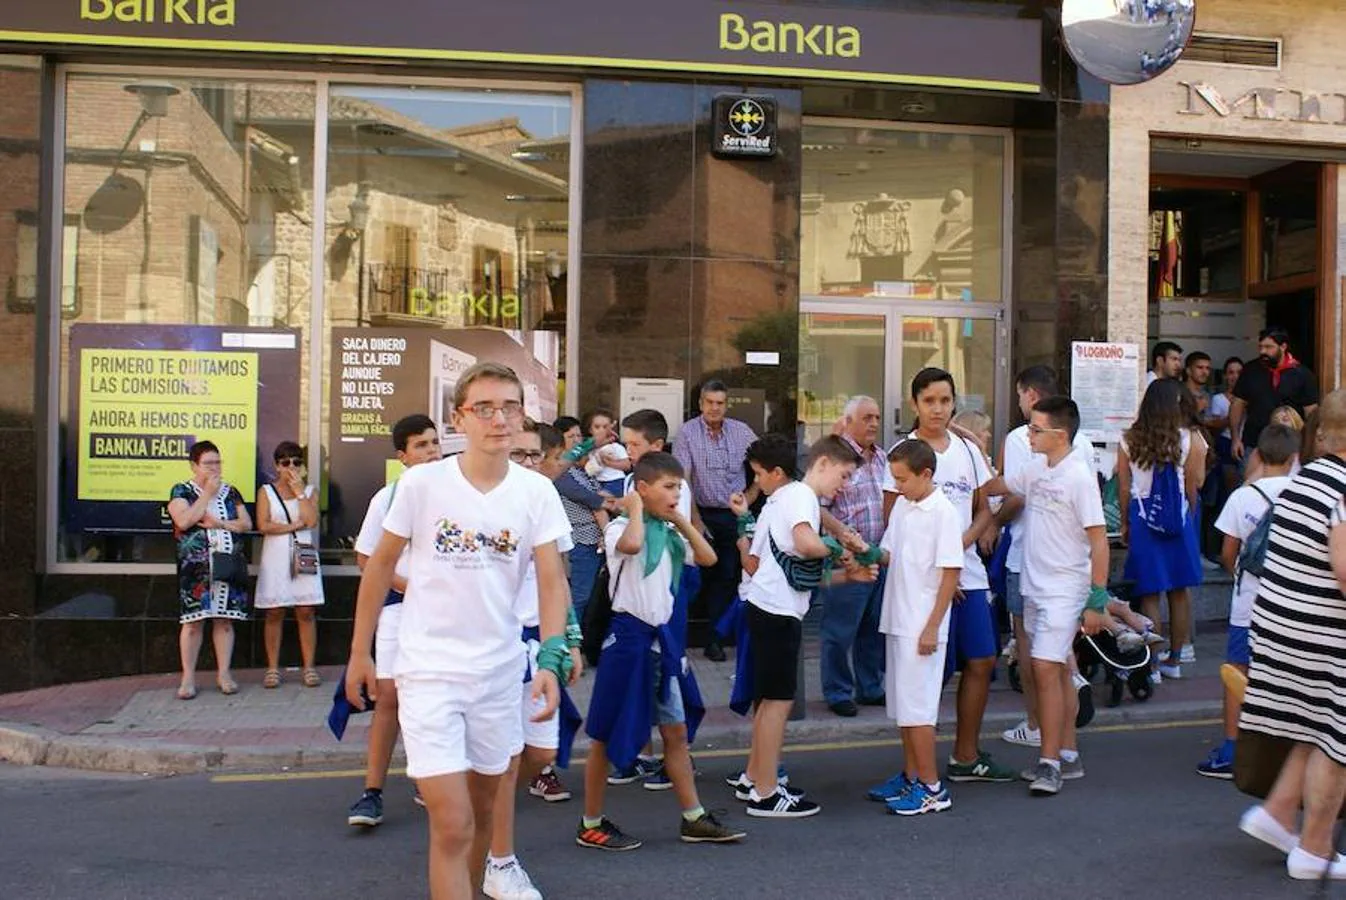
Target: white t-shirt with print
point(371, 530)
point(647, 597)
point(1242, 511)
point(1060, 502)
point(1018, 454)
point(787, 507)
point(922, 539)
point(959, 471)
point(469, 554)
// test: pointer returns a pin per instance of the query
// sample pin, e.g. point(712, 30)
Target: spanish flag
point(1170, 256)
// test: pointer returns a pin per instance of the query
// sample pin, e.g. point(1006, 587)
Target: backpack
point(598, 615)
point(1162, 510)
point(1253, 554)
point(800, 574)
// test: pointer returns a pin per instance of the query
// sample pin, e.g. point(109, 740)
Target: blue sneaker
point(919, 799)
point(1217, 765)
point(893, 787)
point(658, 781)
point(644, 767)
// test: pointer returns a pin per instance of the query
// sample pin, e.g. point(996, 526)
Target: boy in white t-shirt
point(416, 441)
point(1064, 580)
point(646, 431)
point(545, 743)
point(786, 537)
point(923, 549)
point(472, 522)
point(1278, 447)
point(645, 548)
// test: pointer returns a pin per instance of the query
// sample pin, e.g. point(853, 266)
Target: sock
point(1054, 763)
point(936, 787)
point(691, 815)
point(1070, 756)
point(592, 822)
point(647, 758)
point(501, 862)
point(757, 797)
point(374, 792)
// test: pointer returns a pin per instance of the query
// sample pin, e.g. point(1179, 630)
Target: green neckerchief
point(660, 538)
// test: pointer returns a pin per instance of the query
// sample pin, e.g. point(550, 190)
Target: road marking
point(727, 753)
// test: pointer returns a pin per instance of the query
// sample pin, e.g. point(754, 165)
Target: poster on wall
point(380, 375)
point(141, 395)
point(1105, 383)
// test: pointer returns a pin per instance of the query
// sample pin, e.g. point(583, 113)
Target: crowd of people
point(563, 543)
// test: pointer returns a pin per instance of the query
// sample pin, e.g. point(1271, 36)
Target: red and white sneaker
point(548, 786)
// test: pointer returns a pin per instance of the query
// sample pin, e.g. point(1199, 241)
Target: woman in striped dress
point(1297, 682)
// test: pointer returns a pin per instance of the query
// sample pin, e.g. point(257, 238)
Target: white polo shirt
point(959, 471)
point(922, 540)
point(469, 552)
point(787, 507)
point(647, 597)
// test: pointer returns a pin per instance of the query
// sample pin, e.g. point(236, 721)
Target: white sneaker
point(1155, 677)
point(1304, 866)
point(1171, 672)
point(1022, 735)
point(1260, 824)
point(1188, 654)
point(509, 882)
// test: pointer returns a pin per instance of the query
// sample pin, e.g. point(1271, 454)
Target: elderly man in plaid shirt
point(850, 623)
point(712, 449)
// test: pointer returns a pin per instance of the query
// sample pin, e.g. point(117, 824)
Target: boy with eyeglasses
point(415, 441)
point(1064, 579)
point(473, 522)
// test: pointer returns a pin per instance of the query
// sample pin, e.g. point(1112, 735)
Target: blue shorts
point(671, 711)
point(1239, 650)
point(972, 633)
point(1014, 598)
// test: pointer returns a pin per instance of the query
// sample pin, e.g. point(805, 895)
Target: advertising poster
point(1105, 383)
point(380, 375)
point(141, 395)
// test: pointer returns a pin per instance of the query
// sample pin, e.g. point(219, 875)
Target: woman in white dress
point(287, 513)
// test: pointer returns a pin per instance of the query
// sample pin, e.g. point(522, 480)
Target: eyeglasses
point(1038, 429)
point(523, 456)
point(289, 461)
point(512, 409)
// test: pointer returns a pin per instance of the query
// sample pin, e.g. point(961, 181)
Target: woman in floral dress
point(209, 517)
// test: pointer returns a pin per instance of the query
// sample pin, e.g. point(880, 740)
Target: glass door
point(875, 348)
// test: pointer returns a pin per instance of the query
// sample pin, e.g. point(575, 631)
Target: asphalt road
point(1140, 824)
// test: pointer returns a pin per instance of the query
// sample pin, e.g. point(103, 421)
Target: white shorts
point(914, 682)
point(385, 640)
point(542, 735)
point(457, 726)
point(1051, 625)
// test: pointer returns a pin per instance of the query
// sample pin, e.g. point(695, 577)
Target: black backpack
point(598, 615)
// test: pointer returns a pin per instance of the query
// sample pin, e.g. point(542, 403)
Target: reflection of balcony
point(400, 295)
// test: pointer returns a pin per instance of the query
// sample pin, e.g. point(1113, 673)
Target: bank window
point(188, 228)
point(914, 215)
point(446, 243)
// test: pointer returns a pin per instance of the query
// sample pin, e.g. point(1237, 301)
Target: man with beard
point(1274, 379)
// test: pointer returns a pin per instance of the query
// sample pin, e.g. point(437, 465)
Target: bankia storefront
point(252, 222)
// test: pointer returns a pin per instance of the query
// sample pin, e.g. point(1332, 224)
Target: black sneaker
point(710, 830)
point(844, 708)
point(715, 653)
point(606, 836)
point(367, 811)
point(1085, 692)
point(783, 805)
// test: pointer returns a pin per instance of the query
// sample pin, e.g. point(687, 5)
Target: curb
point(26, 745)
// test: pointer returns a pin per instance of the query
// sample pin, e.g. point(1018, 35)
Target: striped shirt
point(859, 504)
point(1299, 618)
point(713, 463)
point(583, 525)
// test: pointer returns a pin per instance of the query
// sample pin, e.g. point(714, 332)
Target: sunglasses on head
point(289, 461)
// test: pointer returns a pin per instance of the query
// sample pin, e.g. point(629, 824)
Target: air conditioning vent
point(1262, 53)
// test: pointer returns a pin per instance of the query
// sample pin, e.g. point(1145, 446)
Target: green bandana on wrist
point(1098, 598)
point(871, 556)
point(747, 525)
point(554, 656)
point(574, 637)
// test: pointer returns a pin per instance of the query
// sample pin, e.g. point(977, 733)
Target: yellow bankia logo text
point(159, 12)
point(761, 36)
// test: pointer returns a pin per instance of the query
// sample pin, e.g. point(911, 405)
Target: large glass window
point(221, 278)
point(903, 214)
point(447, 235)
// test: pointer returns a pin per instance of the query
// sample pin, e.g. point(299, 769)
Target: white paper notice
point(663, 394)
point(1105, 383)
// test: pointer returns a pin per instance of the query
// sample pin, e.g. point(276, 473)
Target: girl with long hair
point(1162, 435)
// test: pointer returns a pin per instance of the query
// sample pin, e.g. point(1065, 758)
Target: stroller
point(1129, 669)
